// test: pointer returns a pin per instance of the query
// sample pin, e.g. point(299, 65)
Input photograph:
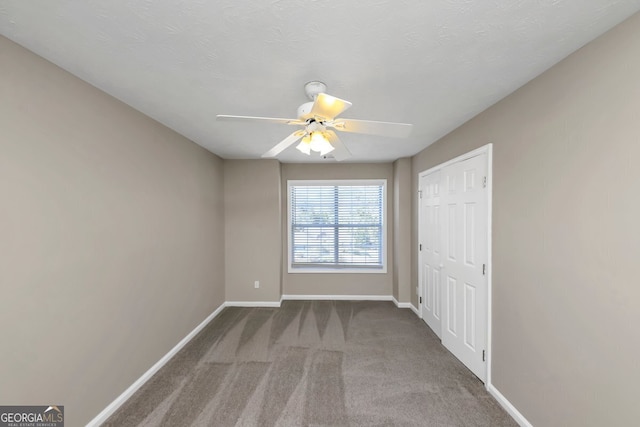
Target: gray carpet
point(320, 363)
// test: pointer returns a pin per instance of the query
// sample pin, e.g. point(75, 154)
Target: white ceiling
point(432, 63)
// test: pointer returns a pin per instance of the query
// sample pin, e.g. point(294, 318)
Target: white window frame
point(329, 269)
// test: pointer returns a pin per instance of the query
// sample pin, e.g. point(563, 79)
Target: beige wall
point(335, 283)
point(402, 197)
point(252, 229)
point(112, 239)
point(566, 238)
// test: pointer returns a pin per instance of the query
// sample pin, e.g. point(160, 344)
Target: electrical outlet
point(256, 284)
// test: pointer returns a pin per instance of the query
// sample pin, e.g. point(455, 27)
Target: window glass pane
point(360, 245)
point(360, 205)
point(313, 245)
point(313, 205)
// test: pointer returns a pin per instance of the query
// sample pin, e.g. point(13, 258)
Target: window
point(337, 226)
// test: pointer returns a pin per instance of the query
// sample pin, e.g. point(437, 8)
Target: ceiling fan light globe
point(326, 150)
point(318, 142)
point(304, 147)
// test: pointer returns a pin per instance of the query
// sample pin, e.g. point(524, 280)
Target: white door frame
point(488, 150)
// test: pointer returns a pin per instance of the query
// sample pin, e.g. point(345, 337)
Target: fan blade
point(328, 107)
point(261, 119)
point(396, 130)
point(341, 152)
point(285, 143)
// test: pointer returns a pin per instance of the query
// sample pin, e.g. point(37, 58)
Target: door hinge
point(420, 194)
point(484, 182)
point(484, 359)
point(420, 246)
point(420, 300)
point(484, 269)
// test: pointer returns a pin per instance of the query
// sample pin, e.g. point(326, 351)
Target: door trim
point(488, 150)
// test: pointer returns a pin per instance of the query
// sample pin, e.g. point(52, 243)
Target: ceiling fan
point(319, 119)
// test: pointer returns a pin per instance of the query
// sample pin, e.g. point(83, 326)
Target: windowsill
point(328, 270)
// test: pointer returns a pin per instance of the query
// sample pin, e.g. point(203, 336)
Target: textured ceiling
point(433, 63)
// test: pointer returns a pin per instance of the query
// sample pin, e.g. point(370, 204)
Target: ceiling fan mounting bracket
point(313, 88)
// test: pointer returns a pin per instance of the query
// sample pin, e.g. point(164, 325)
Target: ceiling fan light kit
point(317, 142)
point(319, 118)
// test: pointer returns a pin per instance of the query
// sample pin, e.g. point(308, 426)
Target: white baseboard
point(352, 298)
point(515, 414)
point(113, 406)
point(252, 304)
point(406, 305)
point(415, 310)
point(339, 297)
point(400, 304)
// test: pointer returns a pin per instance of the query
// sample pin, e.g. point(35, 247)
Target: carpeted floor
point(320, 363)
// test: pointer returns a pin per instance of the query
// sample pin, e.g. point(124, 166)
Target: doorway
point(455, 256)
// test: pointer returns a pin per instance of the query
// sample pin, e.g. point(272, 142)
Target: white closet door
point(430, 251)
point(464, 206)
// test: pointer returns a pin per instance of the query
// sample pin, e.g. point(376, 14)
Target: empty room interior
point(321, 212)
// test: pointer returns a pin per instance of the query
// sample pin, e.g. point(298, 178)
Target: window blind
point(338, 226)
